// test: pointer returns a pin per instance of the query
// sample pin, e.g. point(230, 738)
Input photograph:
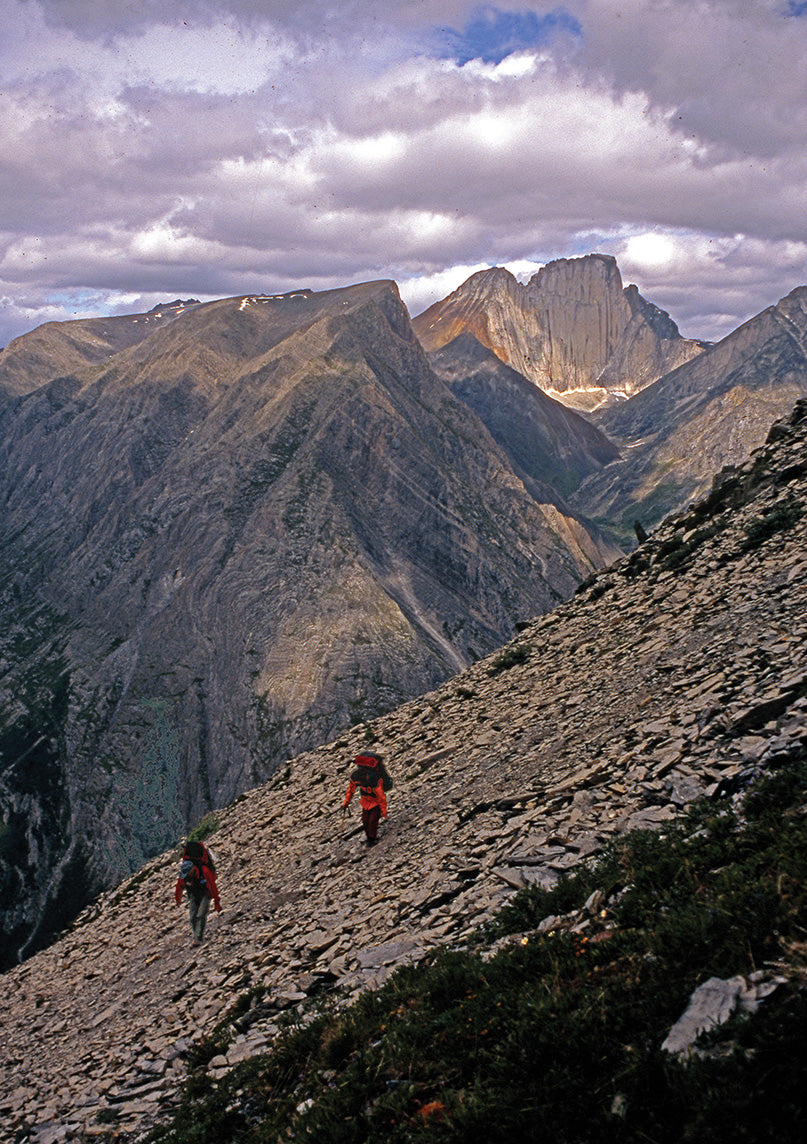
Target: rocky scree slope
point(708, 413)
point(220, 545)
point(573, 329)
point(667, 676)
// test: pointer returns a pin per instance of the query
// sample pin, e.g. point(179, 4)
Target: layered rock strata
point(666, 677)
point(573, 329)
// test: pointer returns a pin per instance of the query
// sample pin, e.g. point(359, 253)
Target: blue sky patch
point(797, 8)
point(491, 34)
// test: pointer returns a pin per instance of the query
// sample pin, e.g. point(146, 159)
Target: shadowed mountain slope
point(676, 672)
point(572, 329)
point(551, 445)
point(707, 414)
point(261, 523)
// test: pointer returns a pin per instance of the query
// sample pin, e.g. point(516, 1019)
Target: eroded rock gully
point(666, 676)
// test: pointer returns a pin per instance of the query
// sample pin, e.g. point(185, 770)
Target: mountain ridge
point(706, 414)
point(573, 330)
point(548, 442)
point(59, 348)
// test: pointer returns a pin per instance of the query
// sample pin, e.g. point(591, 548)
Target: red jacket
point(211, 889)
point(370, 796)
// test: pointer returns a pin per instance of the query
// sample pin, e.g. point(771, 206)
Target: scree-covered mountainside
point(230, 530)
point(678, 672)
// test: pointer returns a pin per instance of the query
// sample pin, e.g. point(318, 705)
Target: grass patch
point(509, 657)
point(204, 828)
point(557, 1036)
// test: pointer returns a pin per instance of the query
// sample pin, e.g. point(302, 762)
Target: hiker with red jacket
point(368, 778)
point(197, 876)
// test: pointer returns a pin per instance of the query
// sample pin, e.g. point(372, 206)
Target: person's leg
point(201, 917)
point(193, 906)
point(370, 819)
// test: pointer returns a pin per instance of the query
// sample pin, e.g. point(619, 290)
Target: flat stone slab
point(712, 1004)
point(393, 953)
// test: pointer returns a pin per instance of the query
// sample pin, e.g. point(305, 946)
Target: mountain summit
point(573, 329)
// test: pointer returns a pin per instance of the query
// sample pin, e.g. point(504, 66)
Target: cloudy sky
point(152, 150)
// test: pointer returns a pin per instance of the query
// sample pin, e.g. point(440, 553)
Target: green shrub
point(204, 828)
point(783, 515)
point(510, 657)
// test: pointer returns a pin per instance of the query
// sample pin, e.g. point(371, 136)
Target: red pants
point(369, 820)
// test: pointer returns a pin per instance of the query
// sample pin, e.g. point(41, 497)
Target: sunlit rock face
point(229, 531)
point(573, 329)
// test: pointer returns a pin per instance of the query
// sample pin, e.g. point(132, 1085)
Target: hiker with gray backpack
point(372, 780)
point(197, 878)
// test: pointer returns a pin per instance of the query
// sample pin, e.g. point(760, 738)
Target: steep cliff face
point(572, 329)
point(707, 414)
point(261, 523)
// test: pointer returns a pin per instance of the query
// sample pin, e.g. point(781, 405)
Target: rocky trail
point(666, 677)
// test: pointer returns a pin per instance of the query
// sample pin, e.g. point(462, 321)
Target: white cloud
point(650, 251)
point(219, 146)
point(523, 268)
point(223, 57)
point(710, 285)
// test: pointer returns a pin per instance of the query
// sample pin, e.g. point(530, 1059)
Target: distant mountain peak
point(573, 329)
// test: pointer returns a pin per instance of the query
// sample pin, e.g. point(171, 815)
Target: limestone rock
point(712, 1004)
point(572, 330)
